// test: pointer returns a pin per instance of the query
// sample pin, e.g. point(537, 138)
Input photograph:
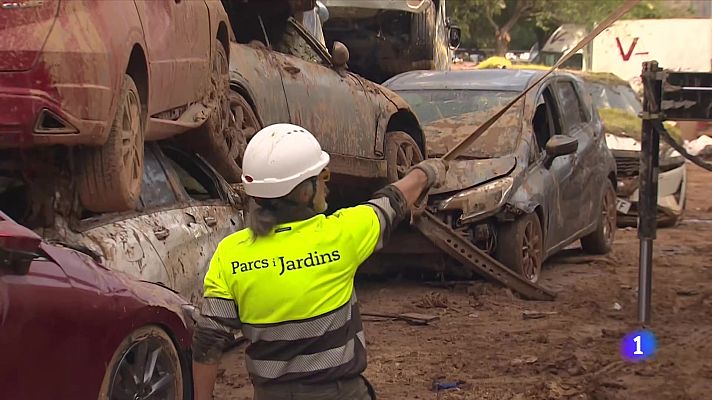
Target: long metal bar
point(477, 260)
point(467, 142)
point(648, 202)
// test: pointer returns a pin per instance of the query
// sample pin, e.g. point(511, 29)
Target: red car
point(72, 329)
point(103, 77)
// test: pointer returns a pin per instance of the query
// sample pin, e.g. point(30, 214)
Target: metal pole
point(648, 199)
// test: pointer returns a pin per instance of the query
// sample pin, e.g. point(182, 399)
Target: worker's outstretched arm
point(393, 201)
point(427, 174)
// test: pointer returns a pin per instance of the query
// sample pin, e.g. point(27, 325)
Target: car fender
point(396, 114)
point(239, 84)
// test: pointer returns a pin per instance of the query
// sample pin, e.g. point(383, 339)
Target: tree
point(490, 23)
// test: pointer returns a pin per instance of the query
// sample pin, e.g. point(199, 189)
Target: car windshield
point(619, 97)
point(448, 116)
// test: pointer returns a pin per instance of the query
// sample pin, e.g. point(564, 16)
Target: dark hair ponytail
point(260, 219)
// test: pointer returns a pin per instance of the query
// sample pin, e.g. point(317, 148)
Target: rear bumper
point(24, 122)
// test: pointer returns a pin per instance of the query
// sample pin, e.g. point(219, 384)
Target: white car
point(185, 209)
point(619, 106)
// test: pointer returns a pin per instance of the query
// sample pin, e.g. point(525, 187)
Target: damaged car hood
point(464, 174)
point(414, 6)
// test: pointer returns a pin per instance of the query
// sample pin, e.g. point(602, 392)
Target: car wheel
point(146, 365)
point(223, 137)
point(110, 176)
point(600, 241)
point(520, 246)
point(402, 153)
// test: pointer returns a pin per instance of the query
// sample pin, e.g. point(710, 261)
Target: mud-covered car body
point(389, 37)
point(62, 63)
point(613, 96)
point(185, 209)
point(63, 316)
point(288, 76)
point(83, 84)
point(508, 172)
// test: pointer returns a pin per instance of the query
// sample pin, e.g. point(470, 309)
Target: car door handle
point(211, 221)
point(161, 233)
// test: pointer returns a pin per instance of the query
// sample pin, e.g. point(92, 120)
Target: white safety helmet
point(280, 157)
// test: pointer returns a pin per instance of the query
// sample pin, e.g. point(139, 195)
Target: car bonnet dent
point(464, 174)
point(132, 246)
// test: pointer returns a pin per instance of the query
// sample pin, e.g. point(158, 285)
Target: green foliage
point(622, 123)
point(528, 21)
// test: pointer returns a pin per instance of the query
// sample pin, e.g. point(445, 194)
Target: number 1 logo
point(638, 351)
point(638, 346)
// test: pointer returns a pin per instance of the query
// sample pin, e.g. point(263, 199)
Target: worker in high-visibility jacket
point(287, 280)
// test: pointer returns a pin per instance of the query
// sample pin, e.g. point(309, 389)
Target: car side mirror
point(18, 246)
point(455, 34)
point(560, 145)
point(339, 55)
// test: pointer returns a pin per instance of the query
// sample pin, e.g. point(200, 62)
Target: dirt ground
point(482, 339)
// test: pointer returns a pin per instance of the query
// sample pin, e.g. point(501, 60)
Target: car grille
point(627, 166)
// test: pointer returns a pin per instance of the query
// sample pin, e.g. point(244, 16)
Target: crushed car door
point(333, 105)
point(547, 123)
point(204, 217)
point(581, 191)
point(177, 34)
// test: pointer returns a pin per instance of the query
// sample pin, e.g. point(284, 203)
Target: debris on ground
point(411, 318)
point(527, 314)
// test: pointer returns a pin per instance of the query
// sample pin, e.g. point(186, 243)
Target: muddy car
point(619, 107)
point(539, 179)
point(184, 209)
point(390, 37)
point(283, 74)
point(89, 332)
point(98, 79)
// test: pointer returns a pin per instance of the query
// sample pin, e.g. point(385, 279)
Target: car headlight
point(480, 200)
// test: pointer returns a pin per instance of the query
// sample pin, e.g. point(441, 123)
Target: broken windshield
point(448, 116)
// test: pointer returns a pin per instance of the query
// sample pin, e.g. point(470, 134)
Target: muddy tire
point(402, 152)
point(110, 176)
point(148, 353)
point(222, 139)
point(520, 246)
point(601, 240)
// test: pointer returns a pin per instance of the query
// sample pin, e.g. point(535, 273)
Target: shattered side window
point(156, 191)
point(572, 110)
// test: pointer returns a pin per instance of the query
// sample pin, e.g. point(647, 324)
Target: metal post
point(648, 199)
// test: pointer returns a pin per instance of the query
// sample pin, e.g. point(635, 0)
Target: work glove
point(435, 169)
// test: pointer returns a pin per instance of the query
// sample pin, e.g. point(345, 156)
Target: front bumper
point(671, 193)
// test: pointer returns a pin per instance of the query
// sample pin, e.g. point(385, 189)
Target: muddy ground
point(483, 340)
